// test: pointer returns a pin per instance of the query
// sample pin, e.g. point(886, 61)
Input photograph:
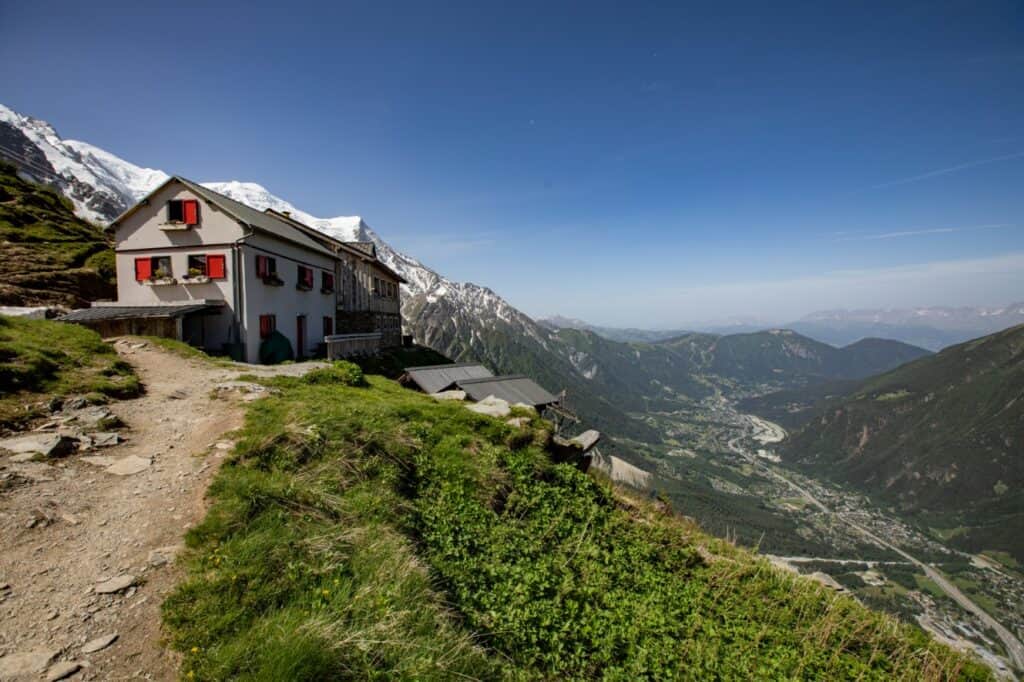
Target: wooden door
point(300, 337)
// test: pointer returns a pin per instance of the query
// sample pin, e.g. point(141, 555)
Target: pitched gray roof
point(435, 378)
point(260, 220)
point(514, 389)
point(111, 312)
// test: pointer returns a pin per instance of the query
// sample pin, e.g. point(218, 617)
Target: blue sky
point(623, 163)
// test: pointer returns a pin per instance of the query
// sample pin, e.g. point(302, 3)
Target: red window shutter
point(215, 267)
point(266, 325)
point(191, 210)
point(143, 269)
point(261, 266)
point(328, 281)
point(309, 277)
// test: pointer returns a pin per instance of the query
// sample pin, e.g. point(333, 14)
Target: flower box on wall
point(160, 281)
point(198, 279)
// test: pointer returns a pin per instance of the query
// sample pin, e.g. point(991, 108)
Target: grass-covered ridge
point(371, 532)
point(40, 359)
point(49, 255)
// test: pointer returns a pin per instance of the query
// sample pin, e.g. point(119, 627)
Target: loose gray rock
point(449, 395)
point(518, 422)
point(99, 643)
point(121, 582)
point(94, 417)
point(63, 670)
point(178, 394)
point(105, 439)
point(163, 555)
point(127, 466)
point(491, 406)
point(26, 663)
point(45, 444)
point(75, 403)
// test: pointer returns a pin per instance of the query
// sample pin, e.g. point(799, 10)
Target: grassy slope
point(49, 256)
point(371, 532)
point(942, 434)
point(41, 359)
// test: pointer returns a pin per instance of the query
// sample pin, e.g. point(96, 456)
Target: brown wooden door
point(300, 337)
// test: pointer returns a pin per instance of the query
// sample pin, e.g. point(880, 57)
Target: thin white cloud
point(915, 233)
point(947, 171)
point(951, 282)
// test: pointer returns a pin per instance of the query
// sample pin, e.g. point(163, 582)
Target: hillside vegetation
point(361, 530)
point(40, 360)
point(49, 256)
point(942, 437)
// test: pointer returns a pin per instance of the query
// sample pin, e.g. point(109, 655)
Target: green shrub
point(340, 372)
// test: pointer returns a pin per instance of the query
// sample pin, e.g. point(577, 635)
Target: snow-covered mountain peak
point(449, 316)
point(100, 184)
point(345, 228)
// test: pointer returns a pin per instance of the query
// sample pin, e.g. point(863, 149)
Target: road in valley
point(1014, 648)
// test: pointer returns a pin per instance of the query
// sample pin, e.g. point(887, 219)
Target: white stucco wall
point(140, 236)
point(285, 301)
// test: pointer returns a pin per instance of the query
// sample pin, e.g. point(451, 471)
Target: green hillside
point(41, 360)
point(48, 256)
point(942, 437)
point(369, 532)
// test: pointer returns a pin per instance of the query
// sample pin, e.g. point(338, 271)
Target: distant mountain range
point(933, 327)
point(623, 334)
point(606, 380)
point(941, 438)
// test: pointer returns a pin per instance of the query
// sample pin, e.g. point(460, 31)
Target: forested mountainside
point(942, 437)
point(50, 256)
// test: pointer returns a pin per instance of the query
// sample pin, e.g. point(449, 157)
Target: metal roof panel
point(436, 378)
point(513, 389)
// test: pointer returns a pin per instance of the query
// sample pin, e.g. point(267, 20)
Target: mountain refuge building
point(198, 266)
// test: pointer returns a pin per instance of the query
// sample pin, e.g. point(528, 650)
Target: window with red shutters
point(327, 283)
point(143, 269)
point(305, 278)
point(190, 211)
point(261, 266)
point(268, 323)
point(216, 266)
point(175, 211)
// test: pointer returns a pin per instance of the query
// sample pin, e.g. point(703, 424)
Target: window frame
point(270, 327)
point(204, 269)
point(326, 282)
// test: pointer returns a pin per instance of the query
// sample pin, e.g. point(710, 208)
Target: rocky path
point(88, 540)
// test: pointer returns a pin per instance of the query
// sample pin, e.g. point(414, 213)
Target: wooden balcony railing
point(341, 346)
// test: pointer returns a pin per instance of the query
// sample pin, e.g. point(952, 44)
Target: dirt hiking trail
point(88, 541)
